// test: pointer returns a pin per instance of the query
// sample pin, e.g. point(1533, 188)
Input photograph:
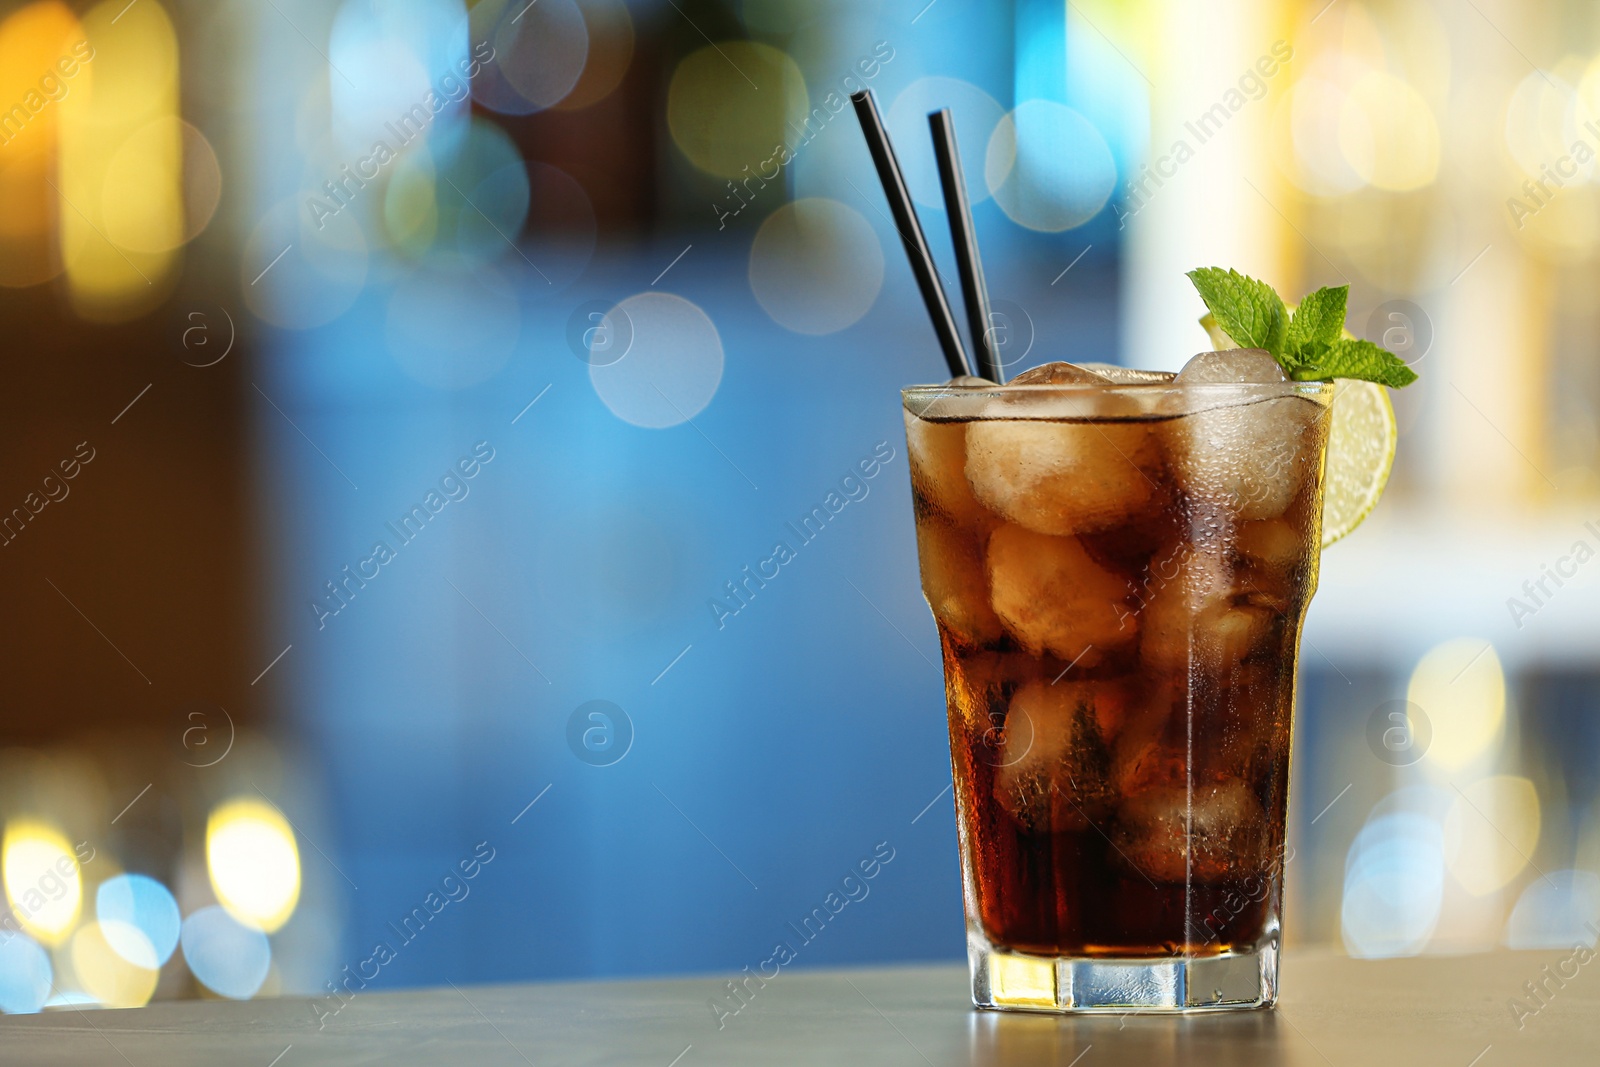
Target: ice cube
point(1272, 553)
point(1230, 635)
point(1053, 597)
point(1235, 365)
point(1182, 584)
point(1065, 477)
point(1059, 374)
point(1051, 763)
point(938, 453)
point(1128, 375)
point(1202, 619)
point(1212, 641)
point(1204, 832)
point(1273, 544)
point(954, 580)
point(1140, 756)
point(1234, 449)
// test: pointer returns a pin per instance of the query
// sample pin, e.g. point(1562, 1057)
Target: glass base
point(1014, 981)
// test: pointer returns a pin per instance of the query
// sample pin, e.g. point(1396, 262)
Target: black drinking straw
point(905, 220)
point(974, 290)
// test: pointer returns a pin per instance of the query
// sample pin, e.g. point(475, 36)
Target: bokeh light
point(1393, 885)
point(1542, 124)
point(1048, 168)
point(397, 66)
point(731, 105)
point(536, 53)
point(26, 976)
point(43, 883)
point(137, 194)
point(673, 367)
point(33, 40)
point(560, 231)
point(410, 203)
point(610, 52)
point(202, 179)
point(226, 956)
point(123, 976)
point(137, 902)
point(254, 862)
point(1491, 831)
point(1556, 911)
point(299, 272)
point(1461, 687)
point(483, 195)
point(816, 266)
point(141, 206)
point(976, 113)
point(1308, 143)
point(450, 328)
point(1388, 134)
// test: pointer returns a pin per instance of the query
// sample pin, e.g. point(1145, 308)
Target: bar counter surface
point(1492, 1010)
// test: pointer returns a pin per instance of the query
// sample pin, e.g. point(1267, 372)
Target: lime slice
point(1361, 443)
point(1220, 342)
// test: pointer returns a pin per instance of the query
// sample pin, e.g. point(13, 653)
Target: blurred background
point(403, 395)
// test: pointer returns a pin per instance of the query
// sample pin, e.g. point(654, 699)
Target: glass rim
point(1021, 389)
point(1112, 401)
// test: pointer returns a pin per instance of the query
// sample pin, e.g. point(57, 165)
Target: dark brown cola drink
point(1119, 573)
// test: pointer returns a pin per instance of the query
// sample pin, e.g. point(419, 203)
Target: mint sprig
point(1248, 311)
point(1310, 344)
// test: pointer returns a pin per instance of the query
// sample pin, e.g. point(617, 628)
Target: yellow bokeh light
point(1490, 832)
point(411, 204)
point(1307, 141)
point(731, 105)
point(1461, 687)
point(1388, 134)
point(43, 884)
point(142, 203)
point(121, 210)
point(1541, 123)
point(254, 862)
point(106, 974)
point(162, 187)
point(1587, 107)
point(36, 54)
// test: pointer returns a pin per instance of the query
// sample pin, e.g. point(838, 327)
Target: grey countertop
point(1454, 1011)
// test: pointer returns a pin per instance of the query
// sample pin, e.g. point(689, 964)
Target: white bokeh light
point(976, 116)
point(387, 59)
point(1048, 167)
point(672, 369)
point(226, 956)
point(1556, 911)
point(26, 976)
point(297, 274)
point(816, 266)
point(539, 51)
point(140, 903)
point(1393, 885)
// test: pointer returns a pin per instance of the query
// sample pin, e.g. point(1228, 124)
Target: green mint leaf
point(1248, 311)
point(1320, 317)
point(1349, 358)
